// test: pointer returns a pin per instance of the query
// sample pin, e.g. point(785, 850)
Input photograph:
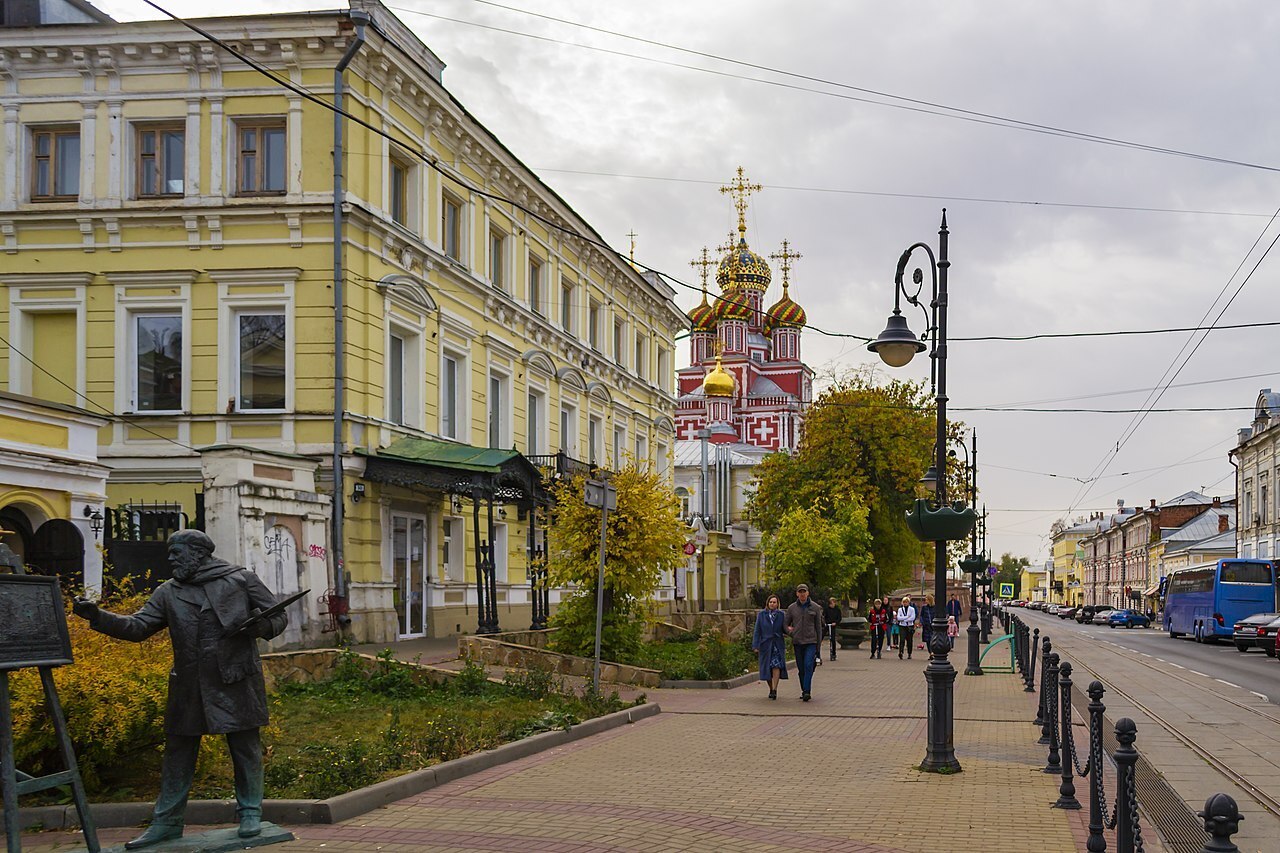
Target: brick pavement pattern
point(730, 770)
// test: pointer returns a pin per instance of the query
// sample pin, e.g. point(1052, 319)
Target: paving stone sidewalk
point(730, 770)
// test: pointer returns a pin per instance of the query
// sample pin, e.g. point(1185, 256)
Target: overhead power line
point(893, 101)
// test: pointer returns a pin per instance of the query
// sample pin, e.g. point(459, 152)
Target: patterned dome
point(785, 312)
point(733, 305)
point(719, 383)
point(702, 317)
point(742, 268)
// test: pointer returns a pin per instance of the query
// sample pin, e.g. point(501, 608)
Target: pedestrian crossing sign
point(1006, 590)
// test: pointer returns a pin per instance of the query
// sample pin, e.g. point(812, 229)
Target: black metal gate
point(136, 540)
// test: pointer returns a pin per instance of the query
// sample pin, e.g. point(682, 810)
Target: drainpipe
point(359, 19)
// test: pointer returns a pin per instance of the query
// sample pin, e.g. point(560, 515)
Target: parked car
point(1017, 602)
point(1052, 609)
point(1127, 619)
point(1245, 632)
point(1101, 616)
point(1067, 611)
point(1085, 613)
point(1268, 636)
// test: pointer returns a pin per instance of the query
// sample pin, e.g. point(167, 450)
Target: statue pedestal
point(213, 841)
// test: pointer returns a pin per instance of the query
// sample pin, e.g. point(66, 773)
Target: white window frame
point(498, 412)
point(535, 421)
point(664, 458)
point(664, 369)
point(619, 445)
point(642, 449)
point(569, 416)
point(138, 294)
point(272, 121)
point(447, 198)
point(412, 206)
point(535, 281)
point(642, 354)
point(131, 365)
point(232, 304)
point(595, 311)
point(620, 341)
point(568, 291)
point(453, 549)
point(289, 343)
point(461, 396)
point(411, 389)
point(499, 258)
point(595, 440)
point(501, 551)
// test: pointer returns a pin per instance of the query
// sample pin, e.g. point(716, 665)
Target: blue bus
point(1207, 601)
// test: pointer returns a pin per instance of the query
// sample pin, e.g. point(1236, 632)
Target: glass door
point(408, 555)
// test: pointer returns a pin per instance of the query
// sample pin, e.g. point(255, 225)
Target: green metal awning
point(489, 473)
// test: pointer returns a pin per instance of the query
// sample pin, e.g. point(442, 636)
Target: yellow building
point(1068, 560)
point(167, 218)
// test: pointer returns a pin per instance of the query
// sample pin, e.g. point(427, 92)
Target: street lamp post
point(974, 565)
point(896, 346)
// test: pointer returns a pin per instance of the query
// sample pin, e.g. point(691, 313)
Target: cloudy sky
point(1049, 234)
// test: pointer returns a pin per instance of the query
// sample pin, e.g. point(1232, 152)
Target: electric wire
point(907, 103)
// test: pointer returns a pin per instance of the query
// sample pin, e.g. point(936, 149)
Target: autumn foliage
point(644, 537)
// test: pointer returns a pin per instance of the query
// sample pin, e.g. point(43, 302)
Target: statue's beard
point(185, 568)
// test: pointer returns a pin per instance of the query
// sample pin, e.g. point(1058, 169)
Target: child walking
point(953, 630)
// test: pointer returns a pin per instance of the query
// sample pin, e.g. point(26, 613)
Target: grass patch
point(369, 723)
point(700, 656)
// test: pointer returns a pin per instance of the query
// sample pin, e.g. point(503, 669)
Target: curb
point(343, 806)
point(723, 684)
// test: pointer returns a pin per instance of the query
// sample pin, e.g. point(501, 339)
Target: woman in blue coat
point(769, 643)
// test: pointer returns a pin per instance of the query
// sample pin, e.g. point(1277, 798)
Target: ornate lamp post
point(975, 565)
point(896, 346)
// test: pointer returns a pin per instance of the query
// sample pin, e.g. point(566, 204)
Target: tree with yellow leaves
point(644, 537)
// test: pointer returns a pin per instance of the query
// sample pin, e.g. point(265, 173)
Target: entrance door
point(408, 555)
point(57, 548)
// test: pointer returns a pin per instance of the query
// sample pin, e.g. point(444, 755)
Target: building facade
point(171, 242)
point(1257, 464)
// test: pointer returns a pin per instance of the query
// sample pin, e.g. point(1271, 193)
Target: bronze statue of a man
point(215, 686)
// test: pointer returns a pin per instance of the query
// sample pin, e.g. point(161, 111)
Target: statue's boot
point(155, 833)
point(250, 825)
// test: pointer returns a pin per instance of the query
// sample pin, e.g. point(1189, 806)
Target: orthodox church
point(747, 387)
point(745, 381)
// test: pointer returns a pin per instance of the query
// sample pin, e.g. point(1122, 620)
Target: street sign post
point(1006, 590)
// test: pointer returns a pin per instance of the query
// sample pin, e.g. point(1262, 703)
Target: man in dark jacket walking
point(804, 624)
point(831, 615)
point(954, 608)
point(926, 621)
point(216, 685)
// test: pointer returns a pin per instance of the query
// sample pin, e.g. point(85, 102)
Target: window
point(53, 346)
point(642, 450)
point(263, 363)
point(395, 379)
point(55, 167)
point(157, 368)
point(568, 429)
point(619, 445)
point(498, 259)
point(664, 368)
point(499, 410)
point(500, 552)
point(641, 353)
point(451, 227)
point(452, 399)
point(566, 307)
point(619, 335)
point(682, 494)
point(398, 192)
point(1248, 502)
point(535, 411)
point(452, 562)
point(161, 160)
point(595, 430)
point(535, 285)
point(663, 458)
point(593, 324)
point(1262, 498)
point(1260, 573)
point(261, 165)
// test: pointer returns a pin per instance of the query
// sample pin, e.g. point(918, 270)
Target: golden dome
point(719, 383)
point(743, 269)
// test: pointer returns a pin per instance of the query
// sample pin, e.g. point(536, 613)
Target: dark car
point(1245, 632)
point(1127, 619)
point(1267, 636)
point(1085, 614)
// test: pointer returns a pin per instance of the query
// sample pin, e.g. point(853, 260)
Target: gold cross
point(741, 189)
point(729, 243)
point(632, 235)
point(706, 263)
point(784, 258)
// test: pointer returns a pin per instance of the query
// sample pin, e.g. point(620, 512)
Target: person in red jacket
point(879, 621)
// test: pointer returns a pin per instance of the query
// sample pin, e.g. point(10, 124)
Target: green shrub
point(471, 680)
point(536, 681)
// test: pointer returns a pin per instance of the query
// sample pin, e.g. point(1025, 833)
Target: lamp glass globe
point(896, 355)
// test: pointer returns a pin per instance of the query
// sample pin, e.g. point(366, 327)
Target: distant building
point(1257, 459)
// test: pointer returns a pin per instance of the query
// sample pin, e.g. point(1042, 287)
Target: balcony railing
point(556, 465)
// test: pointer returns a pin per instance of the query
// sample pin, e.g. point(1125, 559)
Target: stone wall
point(308, 667)
point(731, 623)
point(488, 649)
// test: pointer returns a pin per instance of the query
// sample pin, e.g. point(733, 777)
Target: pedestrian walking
point(893, 635)
point(926, 622)
point(904, 619)
point(879, 619)
point(831, 615)
point(770, 644)
point(953, 630)
point(804, 624)
point(954, 608)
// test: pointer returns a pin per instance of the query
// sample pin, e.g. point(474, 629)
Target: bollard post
point(1128, 832)
point(1096, 843)
point(1046, 648)
point(1031, 671)
point(1222, 819)
point(1049, 676)
point(1067, 788)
